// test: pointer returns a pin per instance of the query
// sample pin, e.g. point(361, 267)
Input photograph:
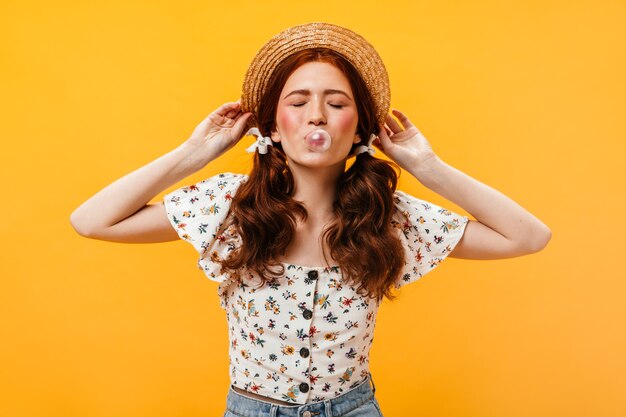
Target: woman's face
point(317, 95)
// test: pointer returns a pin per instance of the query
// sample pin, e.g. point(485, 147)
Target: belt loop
point(329, 411)
point(373, 386)
point(273, 410)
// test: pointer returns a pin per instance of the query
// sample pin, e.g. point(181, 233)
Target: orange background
point(527, 97)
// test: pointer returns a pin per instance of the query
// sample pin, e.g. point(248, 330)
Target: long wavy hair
point(360, 238)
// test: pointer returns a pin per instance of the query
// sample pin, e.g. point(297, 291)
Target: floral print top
point(305, 337)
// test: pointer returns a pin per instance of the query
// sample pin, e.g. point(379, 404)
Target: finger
point(384, 137)
point(226, 107)
point(403, 119)
point(233, 113)
point(389, 132)
point(393, 125)
point(240, 124)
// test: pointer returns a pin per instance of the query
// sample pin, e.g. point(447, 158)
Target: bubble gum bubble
point(318, 140)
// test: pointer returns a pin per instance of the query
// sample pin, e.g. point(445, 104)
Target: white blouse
point(307, 336)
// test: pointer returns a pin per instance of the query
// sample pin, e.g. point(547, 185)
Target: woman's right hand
point(220, 131)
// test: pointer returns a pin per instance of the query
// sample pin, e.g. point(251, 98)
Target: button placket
point(306, 313)
point(305, 352)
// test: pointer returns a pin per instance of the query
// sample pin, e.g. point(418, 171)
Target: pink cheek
point(348, 122)
point(286, 120)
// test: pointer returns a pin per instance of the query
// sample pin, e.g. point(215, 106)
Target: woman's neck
point(316, 188)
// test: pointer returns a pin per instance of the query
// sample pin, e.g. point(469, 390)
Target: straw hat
point(351, 45)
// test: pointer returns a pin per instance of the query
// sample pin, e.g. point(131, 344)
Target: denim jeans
point(358, 402)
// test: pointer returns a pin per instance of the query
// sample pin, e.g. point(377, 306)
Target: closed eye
point(337, 106)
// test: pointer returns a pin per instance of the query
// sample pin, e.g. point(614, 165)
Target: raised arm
point(120, 212)
point(503, 228)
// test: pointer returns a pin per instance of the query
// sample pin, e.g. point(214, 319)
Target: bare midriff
point(260, 397)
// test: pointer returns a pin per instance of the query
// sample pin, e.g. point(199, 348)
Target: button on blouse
point(305, 337)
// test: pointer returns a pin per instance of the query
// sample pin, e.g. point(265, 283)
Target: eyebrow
point(308, 92)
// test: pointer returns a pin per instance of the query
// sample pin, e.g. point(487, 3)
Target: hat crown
point(352, 46)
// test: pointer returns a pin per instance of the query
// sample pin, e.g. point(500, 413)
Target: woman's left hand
point(404, 144)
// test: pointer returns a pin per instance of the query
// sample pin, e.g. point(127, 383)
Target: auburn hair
point(360, 238)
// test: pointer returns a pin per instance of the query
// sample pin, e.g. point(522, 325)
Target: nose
point(316, 112)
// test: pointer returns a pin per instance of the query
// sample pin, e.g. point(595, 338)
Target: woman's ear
point(357, 139)
point(275, 135)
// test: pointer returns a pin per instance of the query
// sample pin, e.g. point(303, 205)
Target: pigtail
point(265, 215)
point(361, 238)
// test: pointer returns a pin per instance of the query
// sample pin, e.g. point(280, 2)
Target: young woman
point(305, 247)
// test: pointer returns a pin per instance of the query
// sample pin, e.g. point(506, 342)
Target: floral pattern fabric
point(306, 336)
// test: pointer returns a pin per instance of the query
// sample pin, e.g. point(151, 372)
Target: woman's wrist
point(192, 158)
point(426, 169)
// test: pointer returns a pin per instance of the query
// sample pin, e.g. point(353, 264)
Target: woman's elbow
point(540, 240)
point(79, 225)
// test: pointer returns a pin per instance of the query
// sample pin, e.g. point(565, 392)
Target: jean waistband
point(333, 407)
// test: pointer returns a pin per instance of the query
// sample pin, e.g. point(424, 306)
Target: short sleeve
point(199, 214)
point(428, 234)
